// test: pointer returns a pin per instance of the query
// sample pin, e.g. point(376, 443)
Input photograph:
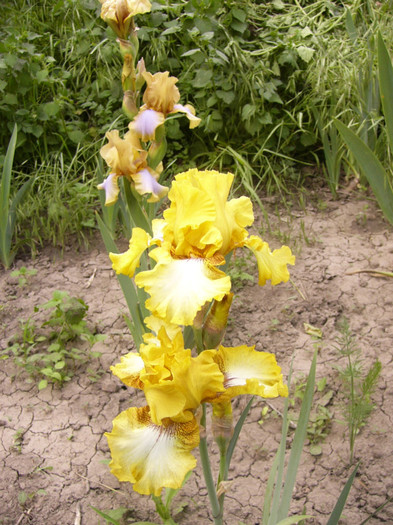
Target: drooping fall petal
point(127, 262)
point(148, 455)
point(180, 287)
point(271, 265)
point(248, 371)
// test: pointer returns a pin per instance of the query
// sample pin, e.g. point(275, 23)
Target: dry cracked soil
point(53, 452)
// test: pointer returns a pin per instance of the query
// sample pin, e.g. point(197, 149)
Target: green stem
point(207, 473)
point(223, 446)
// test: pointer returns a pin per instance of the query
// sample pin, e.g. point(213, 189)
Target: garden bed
point(53, 452)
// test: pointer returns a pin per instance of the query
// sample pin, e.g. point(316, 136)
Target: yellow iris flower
point(160, 99)
point(152, 446)
point(127, 158)
point(200, 228)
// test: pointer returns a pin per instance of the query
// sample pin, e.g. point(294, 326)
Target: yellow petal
point(161, 94)
point(145, 182)
point(151, 456)
point(193, 381)
point(126, 263)
point(178, 289)
point(129, 369)
point(271, 265)
point(189, 111)
point(248, 371)
point(123, 156)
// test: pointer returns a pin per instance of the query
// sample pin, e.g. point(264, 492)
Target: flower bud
point(222, 420)
point(129, 104)
point(216, 322)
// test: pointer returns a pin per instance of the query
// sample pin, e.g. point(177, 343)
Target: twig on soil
point(88, 284)
point(77, 514)
point(292, 424)
point(302, 295)
point(25, 514)
point(375, 273)
point(102, 485)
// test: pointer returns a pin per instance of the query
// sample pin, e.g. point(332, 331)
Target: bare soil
point(52, 446)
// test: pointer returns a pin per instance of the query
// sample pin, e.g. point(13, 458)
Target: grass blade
point(236, 433)
point(372, 169)
point(298, 441)
point(385, 73)
point(337, 511)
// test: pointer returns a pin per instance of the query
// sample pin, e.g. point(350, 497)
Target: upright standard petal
point(127, 262)
point(161, 94)
point(271, 265)
point(151, 456)
point(179, 288)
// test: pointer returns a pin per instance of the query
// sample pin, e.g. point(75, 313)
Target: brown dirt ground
point(63, 428)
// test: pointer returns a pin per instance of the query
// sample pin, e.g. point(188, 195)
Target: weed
point(18, 440)
point(358, 383)
point(238, 271)
point(51, 356)
point(23, 274)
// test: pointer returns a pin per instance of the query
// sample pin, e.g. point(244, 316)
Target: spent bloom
point(160, 99)
point(127, 158)
point(199, 229)
point(118, 14)
point(152, 446)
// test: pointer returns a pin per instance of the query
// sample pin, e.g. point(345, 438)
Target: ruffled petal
point(189, 111)
point(146, 123)
point(129, 369)
point(161, 93)
point(146, 183)
point(111, 187)
point(151, 456)
point(181, 287)
point(126, 263)
point(248, 371)
point(271, 265)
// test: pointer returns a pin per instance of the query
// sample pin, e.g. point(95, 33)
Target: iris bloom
point(160, 99)
point(118, 14)
point(200, 228)
point(152, 446)
point(126, 158)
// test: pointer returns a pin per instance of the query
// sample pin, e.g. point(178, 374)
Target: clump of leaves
point(49, 354)
point(320, 419)
point(358, 383)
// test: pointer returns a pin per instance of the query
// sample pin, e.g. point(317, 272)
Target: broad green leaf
point(385, 73)
point(372, 169)
point(305, 53)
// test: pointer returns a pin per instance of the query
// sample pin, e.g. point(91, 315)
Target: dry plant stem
point(207, 473)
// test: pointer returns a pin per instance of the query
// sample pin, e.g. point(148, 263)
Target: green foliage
point(50, 354)
point(9, 206)
point(359, 384)
point(56, 78)
point(23, 275)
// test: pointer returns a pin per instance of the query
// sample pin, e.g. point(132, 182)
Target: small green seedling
point(50, 353)
point(23, 274)
point(358, 384)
